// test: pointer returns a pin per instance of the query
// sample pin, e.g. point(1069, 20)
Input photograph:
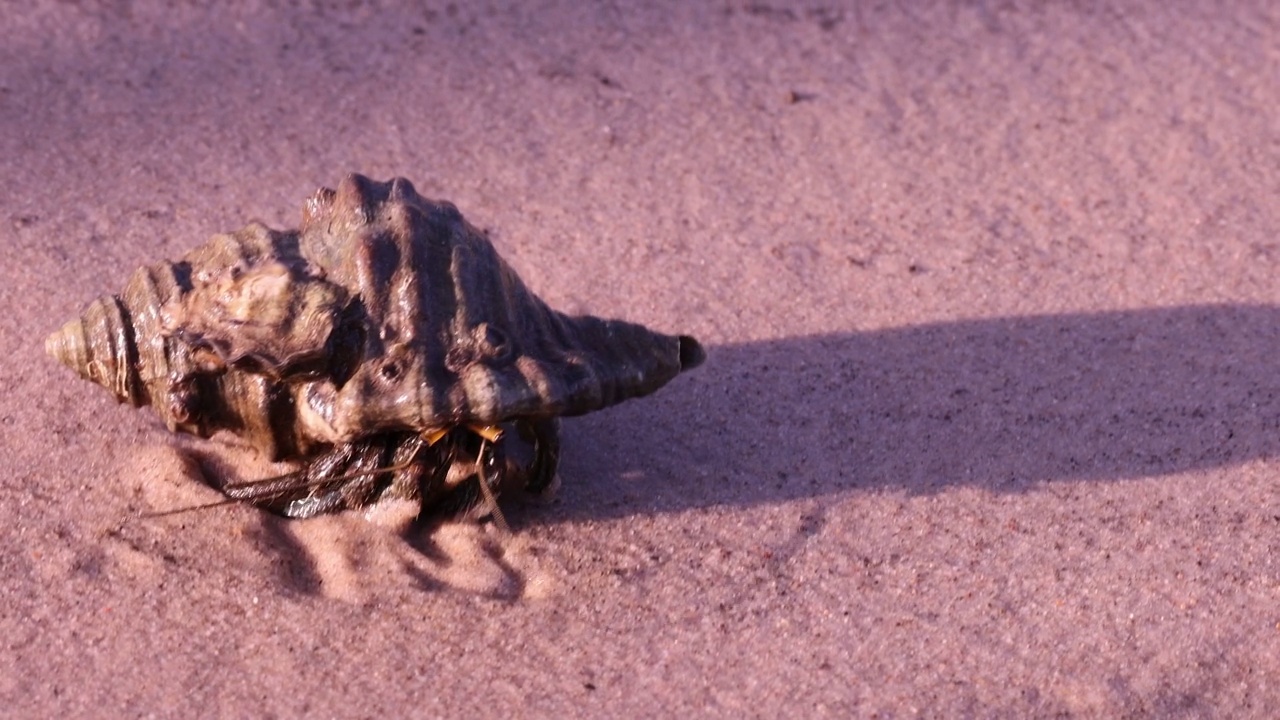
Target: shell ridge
point(412, 315)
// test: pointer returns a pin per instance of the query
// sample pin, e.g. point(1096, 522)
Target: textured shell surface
point(383, 313)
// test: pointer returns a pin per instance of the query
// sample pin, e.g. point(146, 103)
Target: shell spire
point(99, 347)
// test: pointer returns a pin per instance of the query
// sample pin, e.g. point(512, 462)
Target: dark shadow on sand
point(1004, 404)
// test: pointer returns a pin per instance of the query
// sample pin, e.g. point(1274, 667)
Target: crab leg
point(544, 433)
point(343, 477)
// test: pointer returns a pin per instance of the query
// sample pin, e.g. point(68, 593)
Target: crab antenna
point(187, 509)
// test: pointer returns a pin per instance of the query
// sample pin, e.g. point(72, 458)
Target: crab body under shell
point(384, 346)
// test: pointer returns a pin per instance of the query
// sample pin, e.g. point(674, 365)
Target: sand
point(989, 424)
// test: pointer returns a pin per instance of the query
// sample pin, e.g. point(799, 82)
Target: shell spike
point(402, 190)
point(355, 199)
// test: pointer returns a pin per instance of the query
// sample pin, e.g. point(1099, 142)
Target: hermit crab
point(383, 347)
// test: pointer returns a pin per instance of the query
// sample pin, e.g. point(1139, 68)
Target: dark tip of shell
point(691, 353)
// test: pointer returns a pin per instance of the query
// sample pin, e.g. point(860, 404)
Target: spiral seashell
point(383, 313)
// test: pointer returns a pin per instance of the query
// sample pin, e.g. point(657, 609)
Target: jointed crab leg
point(345, 476)
point(544, 433)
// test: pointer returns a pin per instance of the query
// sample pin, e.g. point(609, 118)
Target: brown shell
point(385, 312)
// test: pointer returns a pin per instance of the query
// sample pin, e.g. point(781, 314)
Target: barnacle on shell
point(384, 317)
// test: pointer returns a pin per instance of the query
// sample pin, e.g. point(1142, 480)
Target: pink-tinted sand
point(990, 423)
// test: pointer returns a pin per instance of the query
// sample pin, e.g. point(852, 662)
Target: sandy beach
point(989, 424)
